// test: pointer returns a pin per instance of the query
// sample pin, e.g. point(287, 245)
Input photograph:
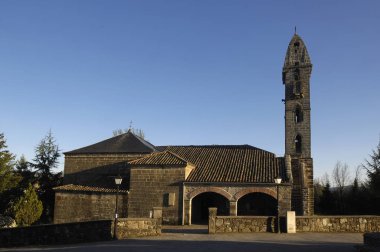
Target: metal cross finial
point(130, 125)
point(295, 29)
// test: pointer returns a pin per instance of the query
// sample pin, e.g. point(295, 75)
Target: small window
point(298, 143)
point(296, 44)
point(296, 63)
point(298, 115)
point(169, 199)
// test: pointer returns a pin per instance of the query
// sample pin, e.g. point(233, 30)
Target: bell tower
point(296, 74)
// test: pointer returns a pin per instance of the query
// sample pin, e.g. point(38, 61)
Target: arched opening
point(298, 115)
point(259, 204)
point(298, 143)
point(201, 203)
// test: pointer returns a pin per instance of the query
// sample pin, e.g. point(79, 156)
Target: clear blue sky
point(188, 72)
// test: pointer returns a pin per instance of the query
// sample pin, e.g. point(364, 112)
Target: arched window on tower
point(298, 143)
point(296, 46)
point(298, 116)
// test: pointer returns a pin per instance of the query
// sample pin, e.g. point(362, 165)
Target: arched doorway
point(201, 203)
point(259, 204)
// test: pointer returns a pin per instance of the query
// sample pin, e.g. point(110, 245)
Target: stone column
point(233, 208)
point(157, 215)
point(212, 219)
point(290, 222)
point(186, 220)
point(157, 212)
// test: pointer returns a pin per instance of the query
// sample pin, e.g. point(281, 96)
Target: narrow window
point(296, 44)
point(298, 143)
point(298, 115)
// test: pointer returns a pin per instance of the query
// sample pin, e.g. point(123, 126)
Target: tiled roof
point(230, 163)
point(160, 158)
point(72, 187)
point(124, 143)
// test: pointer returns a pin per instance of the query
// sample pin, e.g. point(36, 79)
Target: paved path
point(195, 239)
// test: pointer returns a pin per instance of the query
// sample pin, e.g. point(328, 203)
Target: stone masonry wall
point(95, 169)
point(136, 227)
point(247, 224)
point(338, 224)
point(91, 231)
point(244, 224)
point(72, 206)
point(150, 187)
point(57, 233)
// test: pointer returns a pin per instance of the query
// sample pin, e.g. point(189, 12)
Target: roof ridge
point(226, 146)
point(148, 158)
point(72, 187)
point(179, 157)
point(124, 143)
point(144, 157)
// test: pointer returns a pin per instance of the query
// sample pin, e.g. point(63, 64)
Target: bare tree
point(341, 179)
point(325, 179)
point(341, 175)
point(138, 132)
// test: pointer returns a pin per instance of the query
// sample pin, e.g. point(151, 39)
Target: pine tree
point(373, 171)
point(47, 154)
point(8, 178)
point(28, 208)
point(327, 200)
point(24, 170)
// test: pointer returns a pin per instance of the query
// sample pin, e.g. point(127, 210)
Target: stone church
point(186, 180)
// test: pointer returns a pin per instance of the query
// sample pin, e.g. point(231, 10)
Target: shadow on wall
point(100, 176)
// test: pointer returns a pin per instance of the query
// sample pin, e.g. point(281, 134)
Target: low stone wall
point(57, 233)
point(244, 224)
point(248, 224)
point(136, 227)
point(350, 224)
point(79, 232)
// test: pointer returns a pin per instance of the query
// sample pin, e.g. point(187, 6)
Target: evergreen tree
point(318, 192)
point(327, 202)
point(8, 178)
point(24, 170)
point(28, 208)
point(47, 154)
point(373, 171)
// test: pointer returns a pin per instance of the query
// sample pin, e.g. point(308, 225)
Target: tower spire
point(296, 79)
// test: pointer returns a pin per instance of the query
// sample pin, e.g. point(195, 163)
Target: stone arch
point(210, 189)
point(296, 104)
point(246, 191)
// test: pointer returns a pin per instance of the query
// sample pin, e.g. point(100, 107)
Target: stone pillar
point(157, 215)
point(186, 220)
point(233, 208)
point(212, 219)
point(290, 222)
point(157, 212)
